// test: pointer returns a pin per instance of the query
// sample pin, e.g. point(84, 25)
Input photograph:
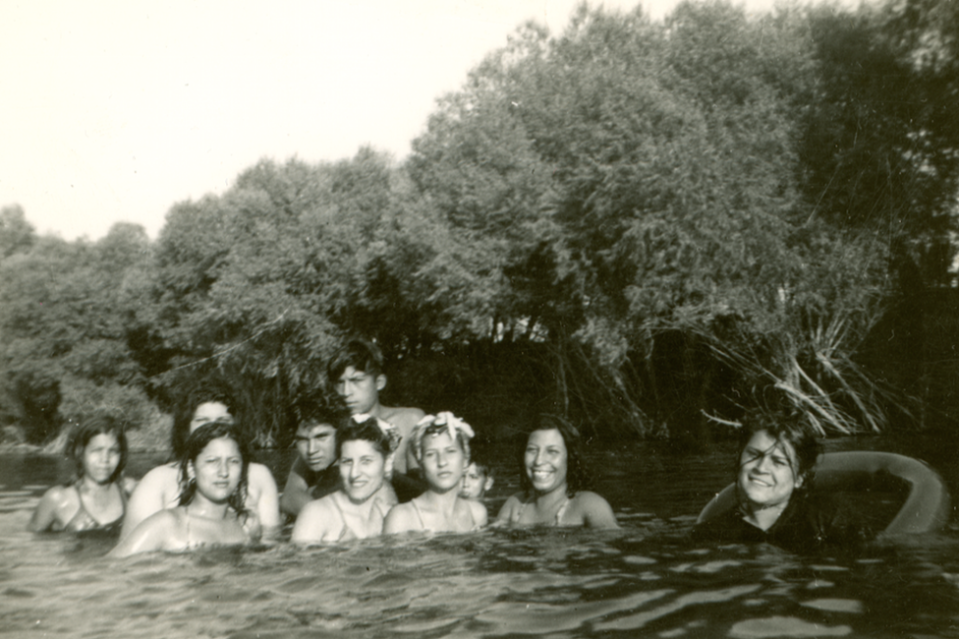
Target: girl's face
point(546, 460)
point(362, 469)
point(218, 469)
point(444, 462)
point(767, 471)
point(208, 412)
point(101, 457)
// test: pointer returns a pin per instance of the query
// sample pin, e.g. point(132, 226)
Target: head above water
point(431, 426)
point(89, 428)
point(364, 356)
point(367, 429)
point(577, 476)
point(315, 420)
point(777, 457)
point(195, 444)
point(210, 391)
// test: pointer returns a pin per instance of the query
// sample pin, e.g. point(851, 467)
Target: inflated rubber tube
point(926, 508)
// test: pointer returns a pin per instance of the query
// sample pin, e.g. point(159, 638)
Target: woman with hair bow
point(365, 448)
point(440, 444)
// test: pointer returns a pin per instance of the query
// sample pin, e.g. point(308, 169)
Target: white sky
point(115, 110)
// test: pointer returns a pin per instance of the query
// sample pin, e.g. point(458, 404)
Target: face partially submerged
point(362, 469)
point(101, 456)
point(546, 460)
point(218, 469)
point(316, 444)
point(767, 471)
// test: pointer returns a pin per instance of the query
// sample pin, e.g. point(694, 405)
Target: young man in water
point(356, 372)
point(314, 474)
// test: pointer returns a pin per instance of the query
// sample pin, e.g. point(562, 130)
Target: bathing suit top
point(347, 533)
point(419, 516)
point(84, 521)
point(518, 513)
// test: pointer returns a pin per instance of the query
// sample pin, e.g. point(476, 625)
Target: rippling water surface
point(647, 580)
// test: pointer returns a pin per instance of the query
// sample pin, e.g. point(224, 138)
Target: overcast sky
point(115, 110)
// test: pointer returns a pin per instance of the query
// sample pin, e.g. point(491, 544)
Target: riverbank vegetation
point(642, 225)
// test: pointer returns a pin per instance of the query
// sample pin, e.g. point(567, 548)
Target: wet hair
point(208, 391)
point(792, 432)
point(81, 435)
point(361, 354)
point(196, 442)
point(317, 408)
point(367, 430)
point(577, 475)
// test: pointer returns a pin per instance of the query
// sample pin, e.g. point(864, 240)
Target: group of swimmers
point(363, 470)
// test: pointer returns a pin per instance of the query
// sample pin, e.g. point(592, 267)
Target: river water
point(647, 580)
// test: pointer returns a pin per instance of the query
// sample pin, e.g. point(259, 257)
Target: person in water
point(441, 447)
point(356, 373)
point(478, 478)
point(314, 473)
point(212, 508)
point(97, 500)
point(553, 476)
point(365, 451)
point(160, 488)
point(775, 469)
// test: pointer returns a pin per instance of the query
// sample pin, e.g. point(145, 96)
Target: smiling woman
point(554, 476)
point(775, 470)
point(357, 509)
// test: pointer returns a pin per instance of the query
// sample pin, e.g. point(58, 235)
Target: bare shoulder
point(508, 508)
point(478, 510)
point(128, 485)
point(401, 518)
point(160, 476)
point(593, 509)
point(402, 417)
point(260, 476)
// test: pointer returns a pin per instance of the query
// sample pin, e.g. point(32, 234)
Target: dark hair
point(317, 408)
point(361, 354)
point(195, 444)
point(208, 391)
point(789, 429)
point(367, 430)
point(577, 476)
point(82, 433)
point(480, 455)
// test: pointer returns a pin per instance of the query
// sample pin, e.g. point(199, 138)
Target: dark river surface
point(647, 580)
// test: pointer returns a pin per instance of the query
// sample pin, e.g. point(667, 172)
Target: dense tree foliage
point(640, 224)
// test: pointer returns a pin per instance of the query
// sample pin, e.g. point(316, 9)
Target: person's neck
point(202, 507)
point(90, 486)
point(444, 502)
point(550, 499)
point(763, 517)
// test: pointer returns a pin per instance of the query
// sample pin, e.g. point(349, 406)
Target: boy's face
point(475, 483)
point(316, 444)
point(360, 390)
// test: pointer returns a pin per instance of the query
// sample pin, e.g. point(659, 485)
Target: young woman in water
point(553, 477)
point(160, 488)
point(441, 447)
point(365, 452)
point(97, 499)
point(775, 468)
point(212, 507)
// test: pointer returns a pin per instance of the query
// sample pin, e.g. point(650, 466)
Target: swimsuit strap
point(418, 514)
point(518, 512)
point(561, 511)
point(346, 533)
